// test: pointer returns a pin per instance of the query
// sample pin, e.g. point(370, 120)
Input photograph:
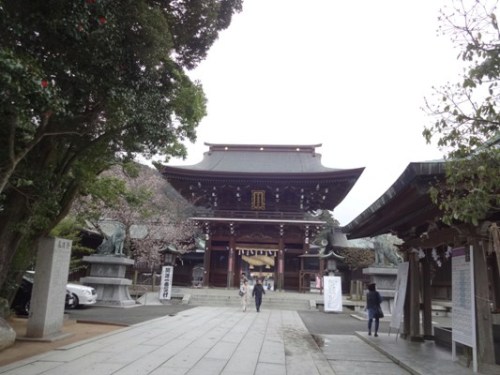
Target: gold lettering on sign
point(258, 200)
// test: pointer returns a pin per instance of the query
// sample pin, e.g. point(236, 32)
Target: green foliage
point(87, 84)
point(70, 229)
point(355, 258)
point(467, 123)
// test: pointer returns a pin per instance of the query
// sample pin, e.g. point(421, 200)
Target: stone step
point(271, 303)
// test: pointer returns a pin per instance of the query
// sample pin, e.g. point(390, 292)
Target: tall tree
point(467, 123)
point(84, 83)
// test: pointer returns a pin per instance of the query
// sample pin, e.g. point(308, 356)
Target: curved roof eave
point(410, 175)
point(179, 172)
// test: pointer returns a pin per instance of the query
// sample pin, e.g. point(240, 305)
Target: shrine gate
point(262, 201)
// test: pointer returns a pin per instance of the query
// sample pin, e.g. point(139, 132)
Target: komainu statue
point(386, 252)
point(112, 244)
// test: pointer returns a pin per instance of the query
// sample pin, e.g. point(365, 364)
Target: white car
point(82, 295)
point(76, 294)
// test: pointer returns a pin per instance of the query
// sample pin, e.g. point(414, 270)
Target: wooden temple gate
point(261, 202)
point(268, 249)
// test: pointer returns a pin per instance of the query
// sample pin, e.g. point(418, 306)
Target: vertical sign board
point(400, 295)
point(167, 273)
point(463, 301)
point(332, 293)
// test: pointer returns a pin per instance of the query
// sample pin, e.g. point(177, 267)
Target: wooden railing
point(260, 215)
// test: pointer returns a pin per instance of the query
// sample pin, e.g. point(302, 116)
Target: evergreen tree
point(87, 83)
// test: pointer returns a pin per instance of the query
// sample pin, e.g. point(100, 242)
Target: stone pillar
point(48, 297)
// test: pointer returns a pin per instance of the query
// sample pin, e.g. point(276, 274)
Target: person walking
point(373, 301)
point(243, 278)
point(244, 295)
point(258, 291)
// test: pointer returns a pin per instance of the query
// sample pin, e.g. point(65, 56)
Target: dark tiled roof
point(405, 204)
point(259, 159)
point(295, 169)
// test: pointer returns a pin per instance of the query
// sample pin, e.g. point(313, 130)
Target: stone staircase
point(229, 297)
point(284, 300)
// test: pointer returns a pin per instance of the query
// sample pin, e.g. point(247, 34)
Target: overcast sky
point(351, 75)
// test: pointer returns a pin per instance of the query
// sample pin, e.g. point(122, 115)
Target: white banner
point(462, 295)
point(399, 297)
point(332, 293)
point(167, 274)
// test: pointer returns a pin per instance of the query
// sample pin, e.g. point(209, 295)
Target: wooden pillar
point(301, 276)
point(427, 299)
point(281, 261)
point(206, 263)
point(230, 263)
point(281, 269)
point(321, 272)
point(405, 331)
point(484, 324)
point(414, 299)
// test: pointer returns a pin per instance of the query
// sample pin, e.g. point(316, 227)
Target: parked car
point(82, 295)
point(76, 295)
point(22, 299)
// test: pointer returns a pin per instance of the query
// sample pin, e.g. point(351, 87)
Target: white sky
point(351, 75)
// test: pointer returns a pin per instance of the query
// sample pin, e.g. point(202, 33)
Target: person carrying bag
point(373, 301)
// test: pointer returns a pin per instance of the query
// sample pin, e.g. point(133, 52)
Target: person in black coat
point(258, 291)
point(373, 301)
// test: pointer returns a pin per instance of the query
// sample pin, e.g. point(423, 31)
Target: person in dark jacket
point(373, 301)
point(258, 291)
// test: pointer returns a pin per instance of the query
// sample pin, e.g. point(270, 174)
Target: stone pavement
point(225, 340)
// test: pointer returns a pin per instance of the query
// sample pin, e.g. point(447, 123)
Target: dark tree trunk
point(13, 219)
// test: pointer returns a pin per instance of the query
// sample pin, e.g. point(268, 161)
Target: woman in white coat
point(244, 295)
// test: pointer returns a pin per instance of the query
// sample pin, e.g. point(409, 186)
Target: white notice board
point(463, 320)
point(332, 293)
point(167, 274)
point(400, 295)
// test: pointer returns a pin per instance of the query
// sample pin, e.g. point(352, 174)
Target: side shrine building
point(261, 201)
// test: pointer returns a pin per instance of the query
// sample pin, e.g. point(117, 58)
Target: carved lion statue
point(112, 244)
point(386, 252)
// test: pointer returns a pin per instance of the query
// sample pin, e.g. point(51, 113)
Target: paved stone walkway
point(203, 340)
point(224, 340)
point(349, 355)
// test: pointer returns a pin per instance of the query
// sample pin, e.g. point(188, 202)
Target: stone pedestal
point(385, 280)
point(107, 276)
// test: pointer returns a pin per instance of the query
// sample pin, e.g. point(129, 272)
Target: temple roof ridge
point(262, 147)
point(260, 159)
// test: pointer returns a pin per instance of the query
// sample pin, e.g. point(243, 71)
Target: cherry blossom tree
point(153, 213)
